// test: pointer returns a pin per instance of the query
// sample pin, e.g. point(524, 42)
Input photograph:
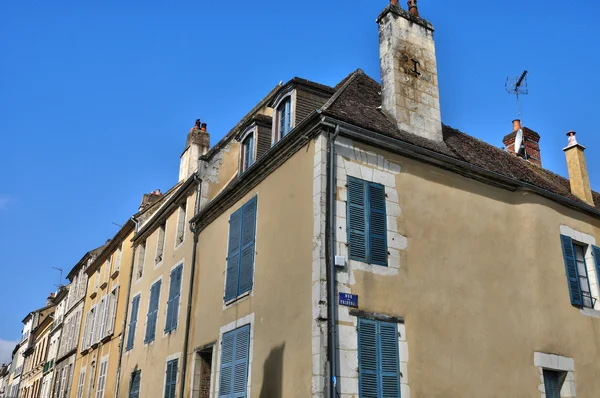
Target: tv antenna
point(517, 86)
point(60, 280)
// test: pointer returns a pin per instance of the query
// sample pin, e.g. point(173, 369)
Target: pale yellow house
point(105, 306)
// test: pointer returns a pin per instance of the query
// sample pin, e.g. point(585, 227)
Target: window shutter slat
point(248, 239)
point(174, 296)
point(377, 225)
point(240, 371)
point(233, 255)
point(227, 363)
point(390, 372)
point(357, 220)
point(552, 384)
point(135, 305)
point(367, 354)
point(571, 268)
point(152, 312)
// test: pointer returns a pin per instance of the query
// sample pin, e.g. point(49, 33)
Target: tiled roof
point(358, 102)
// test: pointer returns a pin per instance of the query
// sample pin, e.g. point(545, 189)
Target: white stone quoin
point(410, 93)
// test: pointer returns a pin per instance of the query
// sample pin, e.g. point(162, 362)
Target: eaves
point(114, 243)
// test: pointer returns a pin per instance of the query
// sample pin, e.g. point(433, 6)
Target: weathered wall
point(480, 284)
point(279, 304)
point(151, 358)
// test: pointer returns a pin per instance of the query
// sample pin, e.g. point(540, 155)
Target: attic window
point(247, 152)
point(284, 119)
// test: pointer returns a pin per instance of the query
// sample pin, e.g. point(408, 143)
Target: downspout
point(124, 327)
point(331, 273)
point(189, 302)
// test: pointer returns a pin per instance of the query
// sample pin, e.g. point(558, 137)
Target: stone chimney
point(530, 147)
point(197, 144)
point(410, 93)
point(578, 172)
point(50, 299)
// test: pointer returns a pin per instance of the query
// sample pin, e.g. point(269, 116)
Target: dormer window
point(247, 152)
point(284, 118)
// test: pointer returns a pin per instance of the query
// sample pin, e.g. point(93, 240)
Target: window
point(134, 384)
point(135, 306)
point(553, 381)
point(240, 257)
point(80, 384)
point(97, 280)
point(152, 315)
point(577, 272)
point(102, 317)
point(171, 378)
point(102, 379)
point(160, 244)
point(93, 325)
point(378, 363)
point(140, 262)
point(119, 257)
point(235, 350)
point(284, 119)
point(174, 297)
point(111, 312)
point(367, 230)
point(180, 225)
point(248, 152)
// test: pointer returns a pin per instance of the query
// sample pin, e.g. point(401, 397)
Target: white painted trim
point(556, 363)
point(250, 130)
point(243, 321)
point(283, 96)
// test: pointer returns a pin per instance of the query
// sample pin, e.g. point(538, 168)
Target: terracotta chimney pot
point(394, 2)
point(412, 7)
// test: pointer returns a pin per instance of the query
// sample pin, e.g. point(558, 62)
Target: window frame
point(571, 243)
point(141, 254)
point(175, 315)
point(171, 383)
point(148, 340)
point(180, 230)
point(132, 331)
point(287, 95)
point(160, 247)
point(249, 135)
point(137, 372)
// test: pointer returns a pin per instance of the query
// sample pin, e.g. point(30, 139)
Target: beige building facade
point(108, 275)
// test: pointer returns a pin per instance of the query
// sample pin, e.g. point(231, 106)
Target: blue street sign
point(349, 300)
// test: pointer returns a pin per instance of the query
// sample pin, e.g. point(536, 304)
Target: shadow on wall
point(273, 374)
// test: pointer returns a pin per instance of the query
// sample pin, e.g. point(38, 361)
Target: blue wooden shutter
point(233, 255)
point(152, 312)
point(596, 252)
point(227, 357)
point(135, 305)
point(552, 384)
point(390, 366)
point(240, 366)
point(173, 302)
point(367, 359)
point(134, 387)
point(377, 247)
point(171, 378)
point(168, 379)
point(357, 226)
point(247, 247)
point(571, 267)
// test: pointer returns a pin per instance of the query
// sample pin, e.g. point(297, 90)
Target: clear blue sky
point(96, 98)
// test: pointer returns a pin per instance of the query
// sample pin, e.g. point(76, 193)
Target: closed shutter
point(101, 330)
point(80, 385)
point(85, 331)
point(119, 257)
point(171, 378)
point(101, 379)
point(173, 302)
point(152, 312)
point(233, 255)
point(93, 321)
point(377, 225)
point(379, 368)
point(134, 387)
point(596, 252)
point(357, 223)
point(235, 349)
point(248, 239)
point(160, 244)
point(135, 306)
point(552, 383)
point(112, 310)
point(571, 267)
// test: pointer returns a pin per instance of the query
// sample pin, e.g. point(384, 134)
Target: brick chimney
point(530, 148)
point(196, 145)
point(578, 172)
point(410, 94)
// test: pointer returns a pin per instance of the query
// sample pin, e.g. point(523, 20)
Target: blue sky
point(96, 98)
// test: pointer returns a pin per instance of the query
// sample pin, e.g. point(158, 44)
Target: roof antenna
point(518, 86)
point(60, 280)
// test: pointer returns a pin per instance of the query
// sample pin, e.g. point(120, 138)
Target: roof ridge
point(345, 82)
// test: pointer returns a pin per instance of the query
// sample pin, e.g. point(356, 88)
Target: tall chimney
point(578, 172)
point(530, 150)
point(197, 144)
point(410, 93)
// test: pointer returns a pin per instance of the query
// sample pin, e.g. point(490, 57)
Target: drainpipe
point(189, 302)
point(123, 333)
point(331, 273)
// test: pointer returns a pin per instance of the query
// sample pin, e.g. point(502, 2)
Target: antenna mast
point(60, 280)
point(517, 86)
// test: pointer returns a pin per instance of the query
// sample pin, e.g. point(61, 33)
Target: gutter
point(124, 328)
point(188, 316)
point(331, 273)
point(458, 166)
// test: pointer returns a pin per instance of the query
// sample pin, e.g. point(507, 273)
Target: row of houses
point(338, 242)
